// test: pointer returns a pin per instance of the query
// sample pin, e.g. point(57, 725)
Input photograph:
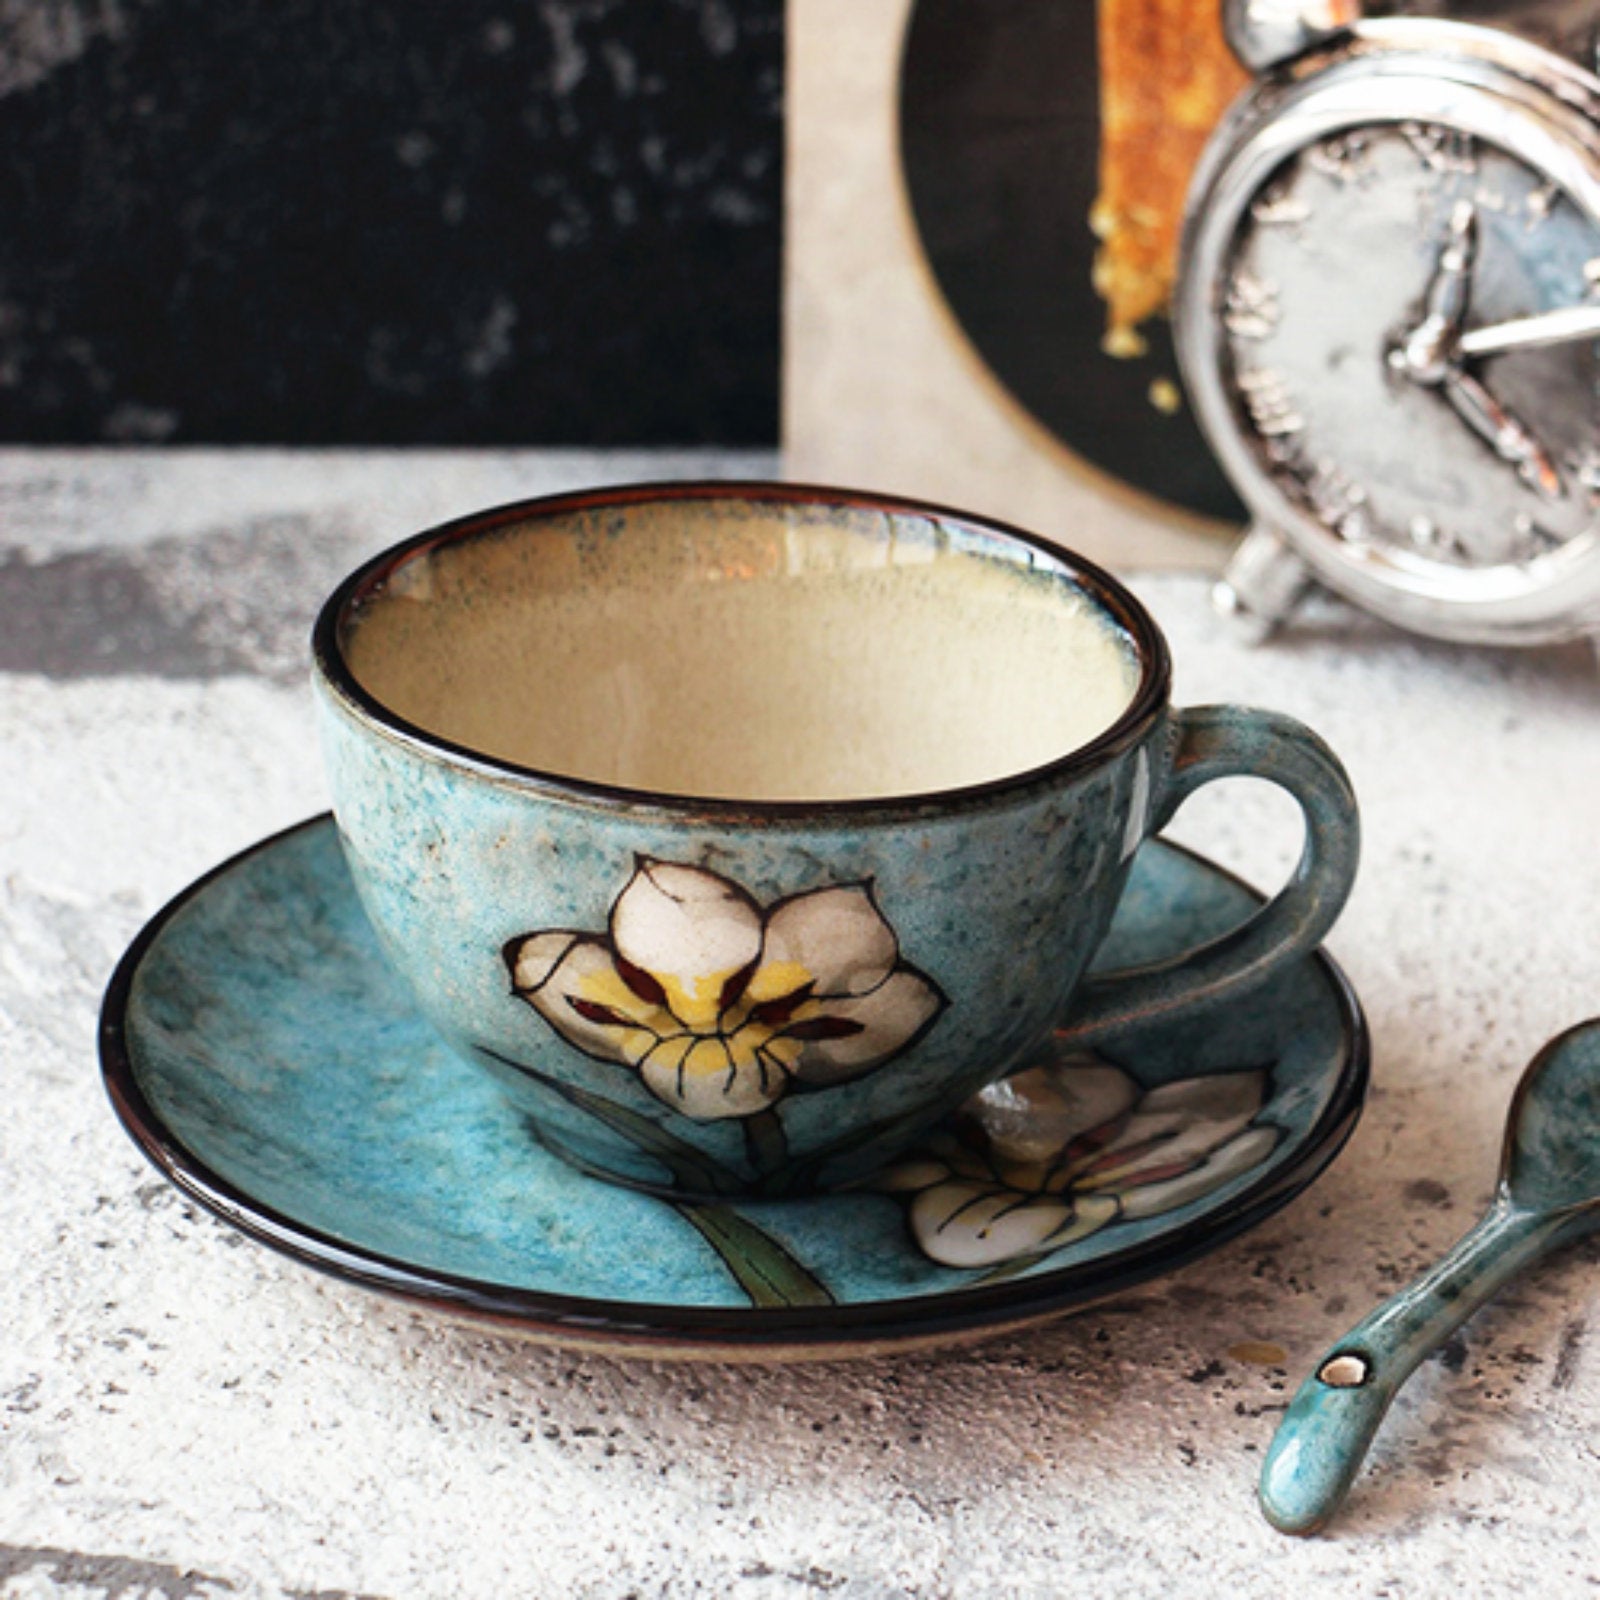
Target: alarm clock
point(1388, 317)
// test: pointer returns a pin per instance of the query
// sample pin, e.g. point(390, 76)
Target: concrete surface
point(183, 1414)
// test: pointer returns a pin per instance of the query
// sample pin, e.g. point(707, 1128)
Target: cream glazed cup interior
point(719, 645)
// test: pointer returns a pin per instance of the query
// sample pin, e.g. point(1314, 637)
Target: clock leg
point(1263, 583)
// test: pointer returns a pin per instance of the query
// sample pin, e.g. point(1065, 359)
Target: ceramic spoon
point(1548, 1195)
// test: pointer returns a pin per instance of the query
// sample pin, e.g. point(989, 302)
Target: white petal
point(1191, 1117)
point(917, 1172)
point(886, 1020)
point(979, 1225)
point(689, 929)
point(836, 936)
point(703, 1079)
point(1219, 1096)
point(583, 979)
point(1036, 1114)
point(534, 958)
point(1239, 1155)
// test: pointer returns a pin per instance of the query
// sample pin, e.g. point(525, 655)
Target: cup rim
point(333, 670)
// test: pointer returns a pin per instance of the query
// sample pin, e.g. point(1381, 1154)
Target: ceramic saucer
point(262, 1054)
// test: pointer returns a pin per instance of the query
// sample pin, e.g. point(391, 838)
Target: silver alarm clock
point(1388, 313)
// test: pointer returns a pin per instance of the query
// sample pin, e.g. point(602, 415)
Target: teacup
point(744, 831)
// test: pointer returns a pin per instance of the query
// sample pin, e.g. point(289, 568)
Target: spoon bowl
point(1551, 1159)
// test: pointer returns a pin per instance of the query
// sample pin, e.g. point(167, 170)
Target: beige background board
point(881, 388)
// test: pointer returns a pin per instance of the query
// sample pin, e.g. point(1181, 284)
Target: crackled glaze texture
point(1000, 908)
point(1548, 1195)
point(777, 989)
point(263, 1052)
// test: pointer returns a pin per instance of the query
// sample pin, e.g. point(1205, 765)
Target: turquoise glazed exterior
point(267, 1058)
point(1548, 1196)
point(871, 963)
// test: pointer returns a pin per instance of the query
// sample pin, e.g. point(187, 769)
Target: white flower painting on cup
point(723, 1006)
point(1057, 1153)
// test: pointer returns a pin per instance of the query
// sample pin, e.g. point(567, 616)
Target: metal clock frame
point(1542, 110)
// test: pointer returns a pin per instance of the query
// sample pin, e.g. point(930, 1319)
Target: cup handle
point(1222, 742)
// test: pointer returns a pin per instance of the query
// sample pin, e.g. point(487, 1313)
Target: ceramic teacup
point(743, 831)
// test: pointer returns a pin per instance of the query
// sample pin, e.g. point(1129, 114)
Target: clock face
point(1350, 282)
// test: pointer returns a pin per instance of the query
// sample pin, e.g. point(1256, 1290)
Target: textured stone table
point(184, 1414)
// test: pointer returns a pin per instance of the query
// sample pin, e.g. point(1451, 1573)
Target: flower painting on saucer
point(1057, 1153)
point(723, 1006)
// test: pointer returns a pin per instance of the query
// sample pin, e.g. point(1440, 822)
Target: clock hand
point(1509, 439)
point(1425, 352)
point(1567, 325)
point(1430, 355)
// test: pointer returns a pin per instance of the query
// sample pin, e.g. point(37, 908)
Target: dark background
point(307, 222)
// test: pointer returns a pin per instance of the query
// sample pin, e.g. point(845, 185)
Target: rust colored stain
point(1258, 1353)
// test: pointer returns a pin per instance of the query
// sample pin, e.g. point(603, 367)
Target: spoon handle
point(1324, 1436)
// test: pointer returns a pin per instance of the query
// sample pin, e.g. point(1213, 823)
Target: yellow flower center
point(776, 997)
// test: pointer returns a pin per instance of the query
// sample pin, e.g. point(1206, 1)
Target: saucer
point(262, 1054)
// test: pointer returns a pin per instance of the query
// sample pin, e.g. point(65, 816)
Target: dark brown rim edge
point(652, 1325)
point(1126, 610)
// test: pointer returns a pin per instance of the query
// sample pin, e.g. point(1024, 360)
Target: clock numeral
point(1354, 527)
point(1584, 465)
point(1338, 503)
point(1250, 307)
point(1269, 404)
point(1540, 203)
point(1278, 207)
point(1533, 540)
point(1432, 540)
point(1346, 158)
point(1440, 149)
